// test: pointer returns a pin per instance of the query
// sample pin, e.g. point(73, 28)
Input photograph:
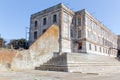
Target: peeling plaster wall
point(6, 58)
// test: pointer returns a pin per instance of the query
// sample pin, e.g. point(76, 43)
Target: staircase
point(91, 63)
point(44, 56)
point(56, 63)
point(80, 62)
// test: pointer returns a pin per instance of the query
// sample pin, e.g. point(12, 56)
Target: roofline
point(105, 27)
point(58, 6)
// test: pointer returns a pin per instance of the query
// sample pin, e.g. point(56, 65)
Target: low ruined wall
point(6, 58)
point(39, 52)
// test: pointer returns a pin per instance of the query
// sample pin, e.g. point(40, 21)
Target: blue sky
point(15, 14)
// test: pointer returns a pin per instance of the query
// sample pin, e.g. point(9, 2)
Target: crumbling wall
point(39, 52)
point(6, 58)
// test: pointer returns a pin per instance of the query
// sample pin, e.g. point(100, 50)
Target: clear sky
point(15, 14)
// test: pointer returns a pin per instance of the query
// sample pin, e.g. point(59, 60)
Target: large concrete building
point(79, 32)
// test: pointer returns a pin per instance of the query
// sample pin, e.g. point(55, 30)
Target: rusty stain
point(6, 56)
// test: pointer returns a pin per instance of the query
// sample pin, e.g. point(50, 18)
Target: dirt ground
point(51, 75)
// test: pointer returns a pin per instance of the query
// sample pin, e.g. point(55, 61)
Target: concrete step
point(73, 62)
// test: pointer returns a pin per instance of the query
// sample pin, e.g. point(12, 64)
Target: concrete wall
point(90, 63)
point(43, 48)
point(67, 18)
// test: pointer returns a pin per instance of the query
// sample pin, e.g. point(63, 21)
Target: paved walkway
point(50, 75)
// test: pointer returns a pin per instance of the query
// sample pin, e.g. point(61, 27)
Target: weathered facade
point(78, 31)
point(118, 42)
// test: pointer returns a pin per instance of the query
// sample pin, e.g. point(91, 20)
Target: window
point(106, 50)
point(88, 22)
point(71, 33)
point(54, 18)
point(90, 47)
point(79, 21)
point(95, 48)
point(72, 21)
point(36, 24)
point(94, 37)
point(79, 33)
point(44, 31)
point(65, 18)
point(80, 46)
point(35, 35)
point(103, 50)
point(89, 34)
point(94, 26)
point(100, 49)
point(44, 21)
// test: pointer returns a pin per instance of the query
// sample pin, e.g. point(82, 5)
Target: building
point(118, 42)
point(79, 32)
